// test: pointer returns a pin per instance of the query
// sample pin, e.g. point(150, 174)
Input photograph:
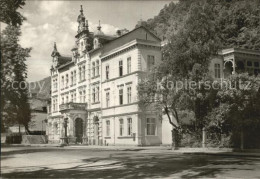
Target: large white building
point(95, 90)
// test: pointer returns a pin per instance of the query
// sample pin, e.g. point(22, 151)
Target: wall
point(216, 60)
point(166, 133)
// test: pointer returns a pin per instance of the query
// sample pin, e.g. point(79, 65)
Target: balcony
point(73, 106)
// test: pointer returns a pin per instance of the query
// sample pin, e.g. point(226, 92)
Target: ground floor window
point(121, 127)
point(129, 126)
point(150, 126)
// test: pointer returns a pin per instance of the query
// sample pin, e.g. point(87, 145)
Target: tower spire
point(81, 9)
point(55, 47)
point(55, 51)
point(99, 27)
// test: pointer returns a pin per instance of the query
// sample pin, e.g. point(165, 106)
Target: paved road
point(36, 162)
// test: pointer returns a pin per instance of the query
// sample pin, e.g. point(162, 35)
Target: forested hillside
point(237, 21)
point(41, 88)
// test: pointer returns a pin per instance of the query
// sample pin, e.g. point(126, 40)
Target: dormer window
point(96, 43)
point(82, 45)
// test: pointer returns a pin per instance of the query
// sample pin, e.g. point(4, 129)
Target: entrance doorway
point(78, 130)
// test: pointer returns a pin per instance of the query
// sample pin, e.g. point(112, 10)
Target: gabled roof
point(155, 36)
point(139, 33)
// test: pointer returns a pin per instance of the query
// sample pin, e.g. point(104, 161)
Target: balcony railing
point(73, 106)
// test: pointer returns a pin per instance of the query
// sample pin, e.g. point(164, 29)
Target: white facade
point(96, 89)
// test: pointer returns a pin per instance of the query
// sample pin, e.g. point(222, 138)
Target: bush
point(189, 140)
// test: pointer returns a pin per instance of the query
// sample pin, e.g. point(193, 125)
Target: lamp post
point(65, 127)
point(45, 121)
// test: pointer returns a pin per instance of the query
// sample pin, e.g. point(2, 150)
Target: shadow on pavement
point(125, 165)
point(26, 151)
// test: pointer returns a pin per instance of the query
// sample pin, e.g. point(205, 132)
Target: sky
point(56, 21)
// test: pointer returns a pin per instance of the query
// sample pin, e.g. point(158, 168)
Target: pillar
point(203, 137)
point(242, 140)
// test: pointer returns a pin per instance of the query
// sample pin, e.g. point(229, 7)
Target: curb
point(223, 154)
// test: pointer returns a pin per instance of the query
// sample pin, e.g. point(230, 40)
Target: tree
point(8, 12)
point(196, 31)
point(237, 21)
point(186, 59)
point(15, 108)
point(239, 106)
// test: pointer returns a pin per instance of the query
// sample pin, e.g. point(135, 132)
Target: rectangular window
point(97, 68)
point(84, 96)
point(80, 97)
point(150, 126)
point(97, 94)
point(129, 94)
point(82, 47)
point(67, 80)
point(249, 63)
point(107, 99)
point(93, 95)
point(121, 127)
point(120, 96)
point(56, 104)
point(79, 74)
point(67, 99)
point(71, 97)
point(108, 128)
point(256, 64)
point(53, 83)
point(150, 62)
point(93, 69)
point(62, 82)
point(53, 105)
point(75, 77)
point(129, 126)
point(83, 73)
point(107, 72)
point(75, 97)
point(71, 78)
point(62, 100)
point(120, 68)
point(217, 70)
point(129, 65)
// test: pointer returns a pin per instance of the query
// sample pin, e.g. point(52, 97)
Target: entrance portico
point(76, 115)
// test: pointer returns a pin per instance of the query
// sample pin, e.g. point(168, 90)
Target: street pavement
point(87, 162)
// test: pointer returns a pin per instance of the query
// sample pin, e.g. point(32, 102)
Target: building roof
point(140, 33)
point(64, 59)
point(114, 42)
point(239, 50)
